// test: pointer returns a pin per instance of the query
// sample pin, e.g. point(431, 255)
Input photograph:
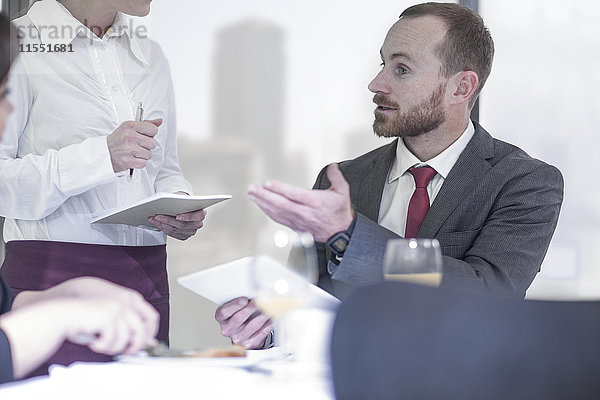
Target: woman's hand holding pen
point(131, 144)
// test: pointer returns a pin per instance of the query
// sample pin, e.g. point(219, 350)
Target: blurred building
point(248, 90)
point(223, 166)
point(246, 146)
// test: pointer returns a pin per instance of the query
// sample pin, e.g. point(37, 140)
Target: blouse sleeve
point(34, 186)
point(169, 178)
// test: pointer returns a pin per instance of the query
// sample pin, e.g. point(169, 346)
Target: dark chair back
point(402, 341)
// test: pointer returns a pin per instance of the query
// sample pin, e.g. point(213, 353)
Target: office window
point(543, 96)
point(265, 89)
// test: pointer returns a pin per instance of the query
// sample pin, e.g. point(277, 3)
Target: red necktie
point(419, 202)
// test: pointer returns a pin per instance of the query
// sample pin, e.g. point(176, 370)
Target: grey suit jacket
point(494, 217)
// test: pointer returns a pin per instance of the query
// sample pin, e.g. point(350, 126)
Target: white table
point(267, 376)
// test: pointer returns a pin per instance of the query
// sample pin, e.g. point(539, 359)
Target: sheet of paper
point(161, 203)
point(228, 281)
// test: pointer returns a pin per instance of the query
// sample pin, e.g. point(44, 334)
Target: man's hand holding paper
point(242, 321)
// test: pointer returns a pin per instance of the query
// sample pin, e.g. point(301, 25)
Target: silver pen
point(139, 115)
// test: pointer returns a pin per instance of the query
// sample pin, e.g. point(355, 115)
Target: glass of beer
point(284, 266)
point(414, 261)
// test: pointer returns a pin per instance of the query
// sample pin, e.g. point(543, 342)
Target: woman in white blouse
point(68, 147)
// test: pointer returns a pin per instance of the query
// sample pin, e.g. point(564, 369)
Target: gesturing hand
point(320, 212)
point(131, 144)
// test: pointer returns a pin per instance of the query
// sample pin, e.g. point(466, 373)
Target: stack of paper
point(228, 281)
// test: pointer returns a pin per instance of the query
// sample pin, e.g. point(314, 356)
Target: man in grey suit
point(494, 217)
point(492, 207)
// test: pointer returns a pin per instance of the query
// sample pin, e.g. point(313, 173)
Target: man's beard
point(417, 121)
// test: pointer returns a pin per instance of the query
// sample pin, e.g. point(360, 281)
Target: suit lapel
point(468, 171)
point(366, 196)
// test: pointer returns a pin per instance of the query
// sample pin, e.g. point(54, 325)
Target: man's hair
point(8, 45)
point(467, 44)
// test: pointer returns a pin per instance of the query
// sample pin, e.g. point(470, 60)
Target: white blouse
point(55, 167)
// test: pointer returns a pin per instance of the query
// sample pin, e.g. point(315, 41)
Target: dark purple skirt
point(38, 265)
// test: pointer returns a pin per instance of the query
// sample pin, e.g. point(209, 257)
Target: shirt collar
point(55, 25)
point(124, 25)
point(442, 163)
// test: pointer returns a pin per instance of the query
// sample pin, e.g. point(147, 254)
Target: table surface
point(264, 374)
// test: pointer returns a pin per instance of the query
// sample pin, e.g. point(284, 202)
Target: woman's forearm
point(35, 332)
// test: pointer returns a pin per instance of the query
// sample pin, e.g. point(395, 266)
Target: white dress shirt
point(55, 166)
point(400, 184)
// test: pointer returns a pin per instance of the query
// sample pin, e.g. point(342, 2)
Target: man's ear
point(464, 85)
